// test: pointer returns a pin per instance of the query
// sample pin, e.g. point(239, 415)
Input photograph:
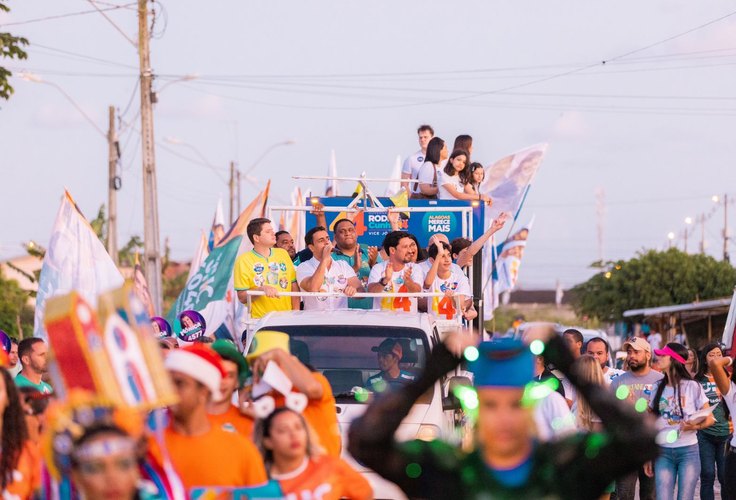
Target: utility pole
point(231, 185)
point(151, 242)
point(113, 184)
point(237, 175)
point(702, 233)
point(725, 228)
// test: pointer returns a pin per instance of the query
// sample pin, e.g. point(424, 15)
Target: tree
point(652, 279)
point(11, 47)
point(16, 316)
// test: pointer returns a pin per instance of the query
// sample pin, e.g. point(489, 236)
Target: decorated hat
point(266, 340)
point(193, 326)
point(227, 350)
point(5, 342)
point(161, 327)
point(503, 363)
point(200, 362)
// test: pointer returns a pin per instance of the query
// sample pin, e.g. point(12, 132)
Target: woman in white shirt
point(428, 173)
point(676, 398)
point(727, 386)
point(473, 178)
point(450, 185)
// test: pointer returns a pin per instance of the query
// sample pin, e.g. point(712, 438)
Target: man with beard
point(285, 241)
point(638, 383)
point(32, 354)
point(598, 348)
point(359, 257)
point(397, 274)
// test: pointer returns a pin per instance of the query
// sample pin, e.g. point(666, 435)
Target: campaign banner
point(271, 489)
point(730, 329)
point(373, 227)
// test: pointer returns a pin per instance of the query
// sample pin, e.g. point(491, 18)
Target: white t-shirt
point(444, 307)
point(693, 398)
point(454, 180)
point(655, 340)
point(335, 280)
point(730, 400)
point(426, 265)
point(412, 163)
point(553, 417)
point(396, 285)
point(425, 176)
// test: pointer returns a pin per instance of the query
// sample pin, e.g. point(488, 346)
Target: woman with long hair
point(727, 386)
point(712, 442)
point(450, 185)
point(427, 188)
point(588, 369)
point(20, 462)
point(472, 178)
point(676, 398)
point(284, 440)
point(692, 363)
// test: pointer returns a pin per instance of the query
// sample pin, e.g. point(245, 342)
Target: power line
point(109, 20)
point(62, 16)
point(79, 55)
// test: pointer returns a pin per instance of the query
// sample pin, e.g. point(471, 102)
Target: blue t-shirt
point(516, 476)
point(380, 383)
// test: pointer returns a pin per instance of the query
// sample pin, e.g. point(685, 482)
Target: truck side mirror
point(450, 402)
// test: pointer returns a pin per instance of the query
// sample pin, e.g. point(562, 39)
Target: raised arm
point(465, 258)
point(718, 369)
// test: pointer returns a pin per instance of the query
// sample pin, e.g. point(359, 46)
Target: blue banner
point(373, 227)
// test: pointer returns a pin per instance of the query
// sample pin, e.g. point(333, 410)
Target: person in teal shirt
point(359, 257)
point(32, 355)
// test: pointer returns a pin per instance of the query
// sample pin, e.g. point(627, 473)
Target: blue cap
point(5, 342)
point(503, 363)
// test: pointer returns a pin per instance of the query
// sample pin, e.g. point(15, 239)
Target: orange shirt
point(233, 419)
point(321, 415)
point(326, 478)
point(27, 474)
point(216, 458)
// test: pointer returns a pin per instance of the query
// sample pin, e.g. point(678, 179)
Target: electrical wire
point(62, 16)
point(71, 55)
point(109, 20)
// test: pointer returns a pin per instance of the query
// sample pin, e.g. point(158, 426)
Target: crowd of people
point(553, 418)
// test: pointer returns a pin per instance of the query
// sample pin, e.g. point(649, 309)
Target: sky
point(651, 129)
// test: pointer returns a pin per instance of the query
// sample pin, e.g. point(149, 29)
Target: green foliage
point(11, 47)
point(16, 316)
point(652, 279)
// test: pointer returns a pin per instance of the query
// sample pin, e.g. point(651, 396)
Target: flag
point(507, 263)
point(730, 329)
point(331, 184)
point(218, 226)
point(140, 287)
point(297, 220)
point(507, 182)
point(200, 254)
point(393, 188)
point(76, 259)
point(210, 291)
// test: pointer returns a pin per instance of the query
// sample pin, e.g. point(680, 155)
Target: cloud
point(571, 125)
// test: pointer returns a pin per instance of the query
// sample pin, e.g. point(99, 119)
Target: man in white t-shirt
point(322, 273)
point(410, 169)
point(396, 274)
point(442, 277)
point(598, 348)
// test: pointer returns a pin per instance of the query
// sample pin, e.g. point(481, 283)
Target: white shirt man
point(410, 168)
point(598, 348)
point(397, 274)
point(322, 273)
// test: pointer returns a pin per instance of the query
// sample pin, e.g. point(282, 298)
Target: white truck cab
point(339, 344)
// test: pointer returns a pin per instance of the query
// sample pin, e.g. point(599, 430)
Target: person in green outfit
point(507, 461)
point(32, 354)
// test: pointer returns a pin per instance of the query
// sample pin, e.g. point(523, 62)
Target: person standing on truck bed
point(357, 256)
point(412, 164)
point(391, 375)
point(322, 273)
point(509, 462)
point(266, 269)
point(397, 274)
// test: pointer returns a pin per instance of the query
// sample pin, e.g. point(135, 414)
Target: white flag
point(76, 259)
point(331, 184)
point(394, 187)
point(200, 254)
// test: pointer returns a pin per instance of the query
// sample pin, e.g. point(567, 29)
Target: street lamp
point(178, 142)
point(249, 178)
point(32, 77)
point(186, 78)
point(671, 238)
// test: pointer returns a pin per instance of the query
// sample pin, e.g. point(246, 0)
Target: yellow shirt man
point(253, 270)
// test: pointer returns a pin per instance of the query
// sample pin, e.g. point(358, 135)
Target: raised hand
point(372, 256)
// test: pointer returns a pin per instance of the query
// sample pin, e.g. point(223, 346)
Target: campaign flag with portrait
point(75, 259)
point(507, 182)
point(210, 290)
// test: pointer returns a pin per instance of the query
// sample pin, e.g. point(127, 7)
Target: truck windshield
point(347, 354)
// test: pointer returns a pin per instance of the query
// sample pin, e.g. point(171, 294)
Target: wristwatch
point(383, 281)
